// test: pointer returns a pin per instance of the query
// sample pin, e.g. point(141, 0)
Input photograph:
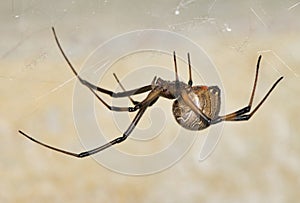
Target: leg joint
point(121, 139)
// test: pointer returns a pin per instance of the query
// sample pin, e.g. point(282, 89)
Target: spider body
point(207, 99)
point(194, 108)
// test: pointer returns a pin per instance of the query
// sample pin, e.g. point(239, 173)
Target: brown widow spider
point(194, 108)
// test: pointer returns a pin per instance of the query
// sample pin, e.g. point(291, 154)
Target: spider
point(195, 107)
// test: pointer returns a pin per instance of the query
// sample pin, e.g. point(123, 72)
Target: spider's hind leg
point(241, 115)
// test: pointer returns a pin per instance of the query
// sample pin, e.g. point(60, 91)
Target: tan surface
point(255, 161)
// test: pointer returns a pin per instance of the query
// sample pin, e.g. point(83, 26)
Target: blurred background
point(254, 161)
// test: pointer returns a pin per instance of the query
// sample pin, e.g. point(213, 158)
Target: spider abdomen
point(207, 99)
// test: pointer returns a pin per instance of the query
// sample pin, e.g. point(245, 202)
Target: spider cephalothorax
point(194, 108)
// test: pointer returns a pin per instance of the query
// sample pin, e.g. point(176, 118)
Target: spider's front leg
point(136, 104)
point(125, 93)
point(148, 101)
point(94, 88)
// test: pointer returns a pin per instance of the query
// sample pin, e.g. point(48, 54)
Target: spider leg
point(177, 85)
point(127, 93)
point(94, 87)
point(115, 108)
point(182, 93)
point(190, 82)
point(132, 101)
point(152, 96)
point(241, 114)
